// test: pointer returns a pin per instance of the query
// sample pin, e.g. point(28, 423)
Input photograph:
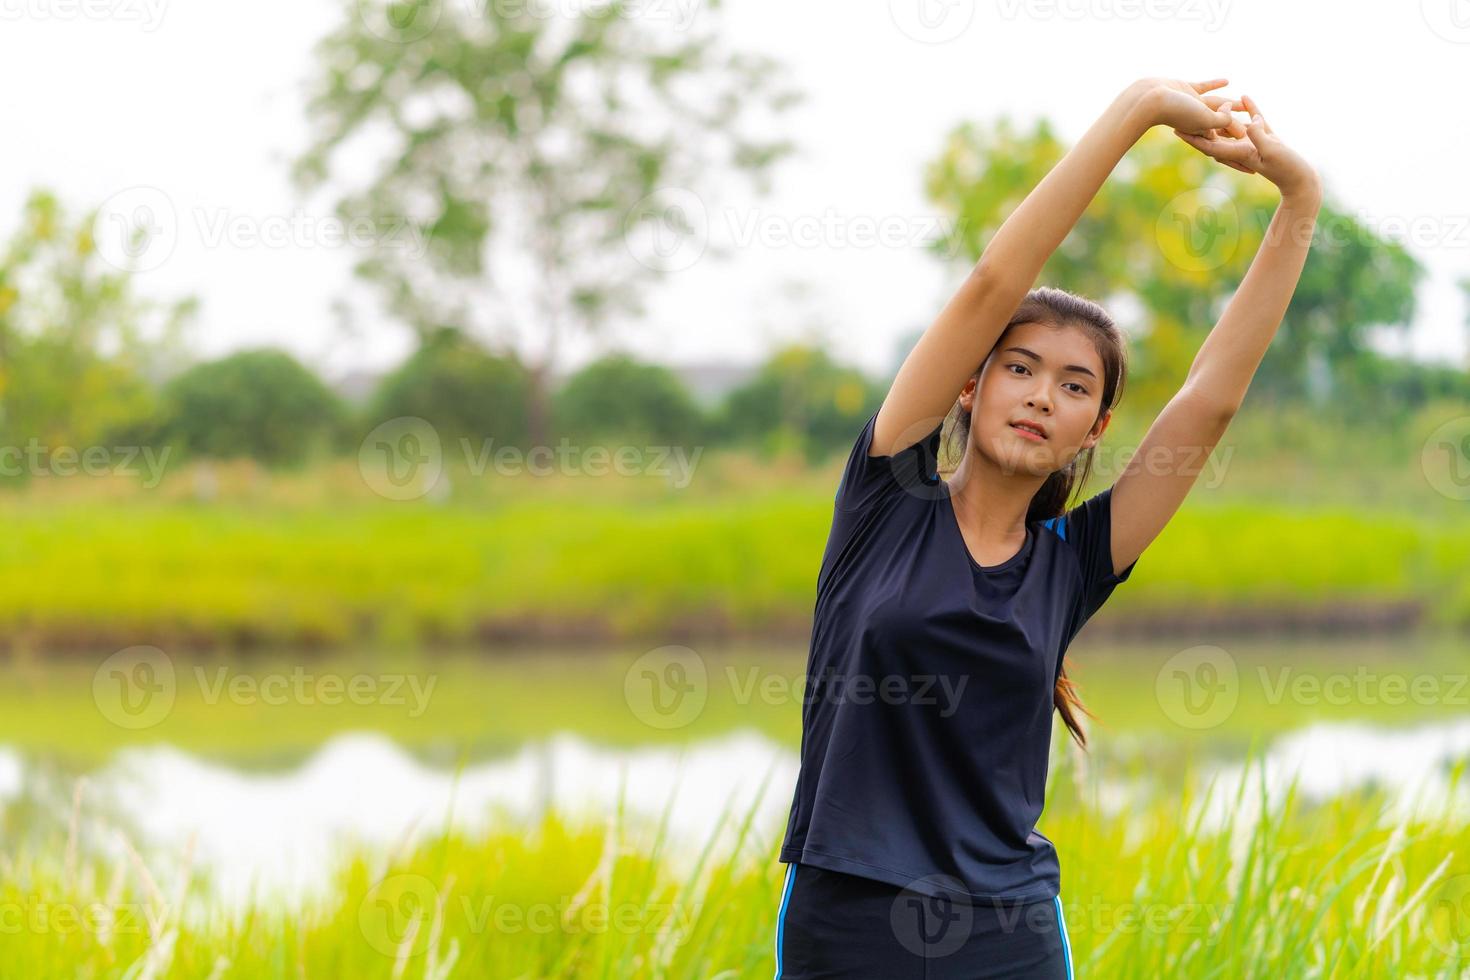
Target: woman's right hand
point(1185, 107)
point(1262, 152)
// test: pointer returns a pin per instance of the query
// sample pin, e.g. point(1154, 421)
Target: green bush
point(800, 399)
point(460, 388)
point(618, 397)
point(260, 403)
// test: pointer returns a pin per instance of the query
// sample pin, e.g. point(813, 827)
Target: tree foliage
point(526, 148)
point(260, 403)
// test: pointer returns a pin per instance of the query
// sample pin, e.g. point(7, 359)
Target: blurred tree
point(259, 403)
point(1464, 284)
point(1353, 280)
point(78, 349)
point(800, 399)
point(620, 397)
point(1388, 390)
point(460, 388)
point(982, 173)
point(1176, 231)
point(557, 139)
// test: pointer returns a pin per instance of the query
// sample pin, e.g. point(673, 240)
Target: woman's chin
point(1016, 458)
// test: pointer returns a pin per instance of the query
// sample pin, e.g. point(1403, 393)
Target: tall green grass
point(1295, 507)
point(1303, 891)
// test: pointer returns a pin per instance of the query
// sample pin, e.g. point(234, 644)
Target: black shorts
point(832, 924)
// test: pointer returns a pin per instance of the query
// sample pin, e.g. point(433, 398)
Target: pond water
point(278, 833)
point(280, 836)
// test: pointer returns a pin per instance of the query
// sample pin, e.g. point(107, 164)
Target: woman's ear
point(1095, 436)
point(967, 394)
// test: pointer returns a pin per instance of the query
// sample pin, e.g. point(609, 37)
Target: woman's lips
point(1028, 434)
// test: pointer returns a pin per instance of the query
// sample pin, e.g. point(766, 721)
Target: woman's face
point(1051, 376)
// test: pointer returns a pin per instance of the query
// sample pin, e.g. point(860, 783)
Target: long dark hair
point(1059, 308)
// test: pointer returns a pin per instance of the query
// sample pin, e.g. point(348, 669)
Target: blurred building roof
point(710, 381)
point(356, 386)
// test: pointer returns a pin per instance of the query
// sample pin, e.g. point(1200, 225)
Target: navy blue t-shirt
point(926, 722)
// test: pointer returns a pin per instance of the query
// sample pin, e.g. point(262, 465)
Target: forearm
point(1226, 362)
point(1031, 233)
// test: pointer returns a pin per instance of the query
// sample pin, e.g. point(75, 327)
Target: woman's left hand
point(1260, 151)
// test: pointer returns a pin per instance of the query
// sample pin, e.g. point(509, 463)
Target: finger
point(1212, 83)
point(1222, 107)
point(1235, 128)
point(1226, 151)
point(1257, 132)
point(1255, 110)
point(1232, 125)
point(1204, 147)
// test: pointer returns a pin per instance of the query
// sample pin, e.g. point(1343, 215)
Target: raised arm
point(1157, 479)
point(953, 346)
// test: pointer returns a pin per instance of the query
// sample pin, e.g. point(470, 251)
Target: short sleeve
point(1088, 531)
point(866, 479)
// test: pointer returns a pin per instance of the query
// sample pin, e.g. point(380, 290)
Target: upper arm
point(867, 476)
point(1159, 476)
point(943, 358)
point(1087, 531)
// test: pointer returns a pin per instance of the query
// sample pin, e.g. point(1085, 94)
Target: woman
point(944, 608)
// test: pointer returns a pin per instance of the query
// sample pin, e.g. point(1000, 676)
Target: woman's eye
point(1074, 385)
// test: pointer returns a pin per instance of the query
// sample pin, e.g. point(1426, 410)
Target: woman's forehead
point(1067, 344)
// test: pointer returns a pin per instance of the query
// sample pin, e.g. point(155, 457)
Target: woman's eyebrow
point(1037, 357)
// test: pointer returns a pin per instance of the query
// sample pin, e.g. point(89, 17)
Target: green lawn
point(100, 572)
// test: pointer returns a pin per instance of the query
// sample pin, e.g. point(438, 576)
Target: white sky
point(202, 102)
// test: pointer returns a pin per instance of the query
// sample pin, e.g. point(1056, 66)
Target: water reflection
point(1420, 770)
point(279, 837)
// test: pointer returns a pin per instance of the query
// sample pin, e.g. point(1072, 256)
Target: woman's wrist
point(1139, 105)
point(1305, 195)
